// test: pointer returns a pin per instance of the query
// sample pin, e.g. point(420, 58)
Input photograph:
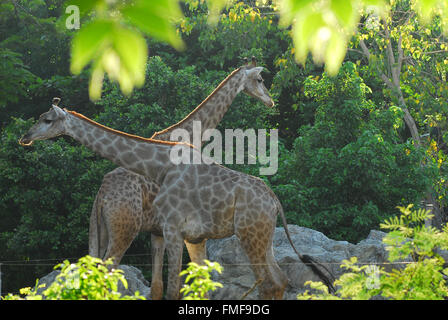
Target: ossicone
point(254, 61)
point(56, 101)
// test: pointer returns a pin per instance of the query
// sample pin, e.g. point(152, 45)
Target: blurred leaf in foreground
point(119, 49)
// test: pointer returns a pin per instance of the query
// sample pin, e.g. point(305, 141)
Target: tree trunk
point(392, 81)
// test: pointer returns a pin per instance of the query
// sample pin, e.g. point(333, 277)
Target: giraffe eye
point(47, 121)
point(260, 80)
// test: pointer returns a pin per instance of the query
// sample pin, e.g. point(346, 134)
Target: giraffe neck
point(147, 157)
point(211, 111)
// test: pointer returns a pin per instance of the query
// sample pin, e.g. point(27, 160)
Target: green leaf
point(96, 82)
point(156, 19)
point(376, 3)
point(85, 6)
point(88, 42)
point(291, 8)
point(344, 11)
point(303, 30)
point(215, 7)
point(133, 53)
point(335, 53)
point(119, 51)
point(426, 8)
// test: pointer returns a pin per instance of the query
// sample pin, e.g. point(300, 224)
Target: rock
point(237, 277)
point(134, 277)
point(47, 280)
point(136, 282)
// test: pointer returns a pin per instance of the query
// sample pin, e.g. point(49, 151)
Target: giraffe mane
point(195, 110)
point(124, 134)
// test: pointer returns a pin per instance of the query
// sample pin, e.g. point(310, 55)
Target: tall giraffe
point(195, 201)
point(123, 205)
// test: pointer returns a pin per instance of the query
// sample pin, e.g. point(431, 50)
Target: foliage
point(322, 27)
point(249, 30)
point(14, 76)
point(201, 281)
point(408, 240)
point(407, 53)
point(28, 26)
point(46, 195)
point(345, 157)
point(88, 279)
point(117, 48)
point(37, 50)
point(353, 153)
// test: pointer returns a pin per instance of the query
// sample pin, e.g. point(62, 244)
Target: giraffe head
point(254, 85)
point(50, 124)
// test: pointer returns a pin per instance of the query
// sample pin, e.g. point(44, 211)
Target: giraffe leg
point(197, 251)
point(257, 243)
point(157, 252)
point(116, 250)
point(278, 275)
point(122, 230)
point(174, 247)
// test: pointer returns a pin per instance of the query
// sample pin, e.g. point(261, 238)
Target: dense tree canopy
point(347, 156)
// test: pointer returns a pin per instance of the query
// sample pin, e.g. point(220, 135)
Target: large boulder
point(237, 277)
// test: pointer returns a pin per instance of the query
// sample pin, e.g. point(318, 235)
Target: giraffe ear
point(254, 71)
point(58, 112)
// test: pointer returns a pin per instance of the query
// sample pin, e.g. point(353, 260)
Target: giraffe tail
point(316, 266)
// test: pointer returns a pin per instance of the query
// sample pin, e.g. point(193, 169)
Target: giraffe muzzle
point(270, 104)
point(25, 141)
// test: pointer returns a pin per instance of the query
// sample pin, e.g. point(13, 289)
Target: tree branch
point(436, 51)
point(354, 50)
point(389, 51)
point(387, 81)
point(364, 49)
point(383, 76)
point(397, 68)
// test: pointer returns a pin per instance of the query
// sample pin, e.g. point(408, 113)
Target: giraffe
point(195, 201)
point(123, 205)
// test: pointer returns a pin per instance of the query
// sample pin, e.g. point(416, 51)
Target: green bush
point(201, 281)
point(347, 171)
point(422, 278)
point(88, 279)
